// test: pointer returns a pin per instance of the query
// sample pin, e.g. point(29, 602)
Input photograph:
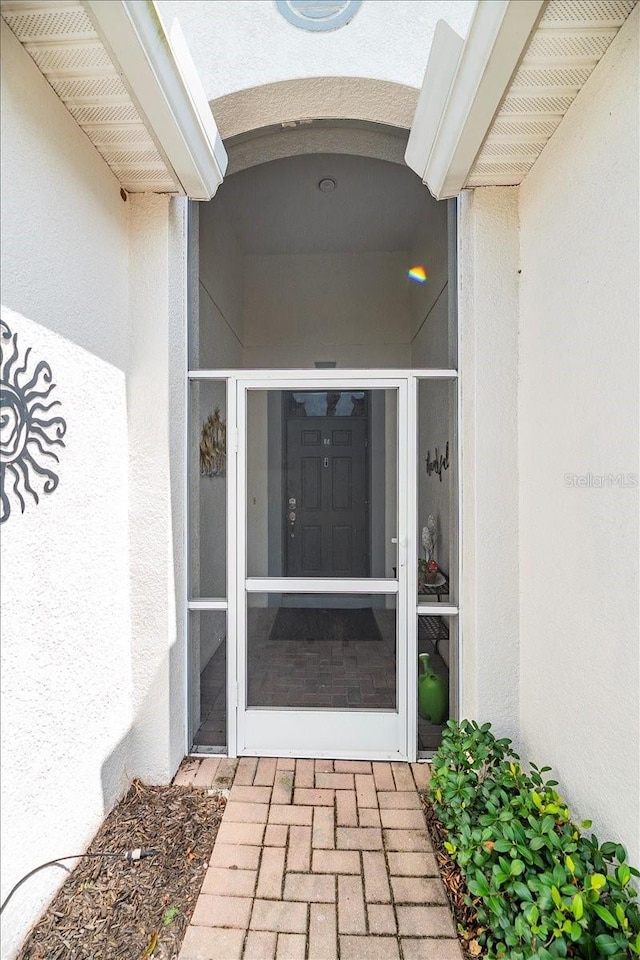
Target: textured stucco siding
point(156, 431)
point(66, 629)
point(247, 44)
point(578, 414)
point(488, 317)
point(92, 660)
point(93, 678)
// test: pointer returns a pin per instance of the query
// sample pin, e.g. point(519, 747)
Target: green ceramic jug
point(433, 696)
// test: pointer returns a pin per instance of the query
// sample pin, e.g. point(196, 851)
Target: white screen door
point(321, 575)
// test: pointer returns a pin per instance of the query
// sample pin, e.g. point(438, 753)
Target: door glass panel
point(437, 503)
point(436, 640)
point(208, 489)
point(326, 403)
point(208, 679)
point(317, 650)
point(322, 489)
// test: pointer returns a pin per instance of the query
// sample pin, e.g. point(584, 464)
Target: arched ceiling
point(309, 137)
point(277, 208)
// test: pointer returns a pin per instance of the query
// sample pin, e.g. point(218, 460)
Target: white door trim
point(299, 379)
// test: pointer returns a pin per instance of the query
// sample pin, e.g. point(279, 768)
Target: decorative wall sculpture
point(430, 537)
point(27, 431)
point(213, 446)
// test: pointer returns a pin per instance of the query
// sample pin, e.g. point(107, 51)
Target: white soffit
point(137, 99)
point(462, 89)
point(570, 39)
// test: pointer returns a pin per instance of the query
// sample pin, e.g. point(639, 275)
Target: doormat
point(309, 623)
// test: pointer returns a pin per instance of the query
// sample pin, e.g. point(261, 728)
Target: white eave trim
point(463, 86)
point(162, 79)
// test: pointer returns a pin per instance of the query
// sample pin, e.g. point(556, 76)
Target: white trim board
point(161, 77)
point(463, 86)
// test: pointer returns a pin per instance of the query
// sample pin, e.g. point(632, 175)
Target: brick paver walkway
point(325, 859)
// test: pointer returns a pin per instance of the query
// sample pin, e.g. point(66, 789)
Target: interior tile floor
point(332, 674)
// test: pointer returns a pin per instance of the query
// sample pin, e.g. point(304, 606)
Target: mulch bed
point(113, 909)
point(466, 921)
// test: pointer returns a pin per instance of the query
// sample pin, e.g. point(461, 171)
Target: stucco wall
point(221, 336)
point(578, 414)
point(274, 50)
point(92, 676)
point(66, 629)
point(428, 302)
point(488, 314)
point(155, 475)
point(351, 308)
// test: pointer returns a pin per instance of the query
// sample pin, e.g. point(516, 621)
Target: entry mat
point(311, 623)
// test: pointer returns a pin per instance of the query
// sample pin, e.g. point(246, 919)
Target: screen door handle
point(402, 549)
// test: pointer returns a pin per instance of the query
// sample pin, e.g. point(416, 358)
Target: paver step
point(319, 859)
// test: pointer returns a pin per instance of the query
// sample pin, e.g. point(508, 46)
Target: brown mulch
point(112, 909)
point(467, 924)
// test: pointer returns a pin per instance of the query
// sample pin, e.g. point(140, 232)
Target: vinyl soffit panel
point(569, 41)
point(61, 39)
point(133, 133)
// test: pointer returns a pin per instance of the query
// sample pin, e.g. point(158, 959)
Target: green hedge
point(541, 888)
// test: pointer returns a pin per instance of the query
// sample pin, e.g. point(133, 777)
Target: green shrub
point(540, 888)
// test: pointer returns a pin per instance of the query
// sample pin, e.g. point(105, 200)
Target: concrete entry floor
point(319, 859)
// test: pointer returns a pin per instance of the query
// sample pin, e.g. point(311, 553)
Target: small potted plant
point(431, 573)
point(428, 571)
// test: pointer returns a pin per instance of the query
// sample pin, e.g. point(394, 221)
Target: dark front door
point(326, 488)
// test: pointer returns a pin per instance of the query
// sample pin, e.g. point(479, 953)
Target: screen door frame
point(322, 732)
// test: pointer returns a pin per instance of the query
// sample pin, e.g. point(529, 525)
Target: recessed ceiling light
point(327, 185)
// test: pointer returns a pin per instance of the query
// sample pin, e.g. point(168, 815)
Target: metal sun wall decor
point(213, 446)
point(27, 433)
point(439, 463)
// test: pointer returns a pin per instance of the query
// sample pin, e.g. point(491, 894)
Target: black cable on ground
point(131, 855)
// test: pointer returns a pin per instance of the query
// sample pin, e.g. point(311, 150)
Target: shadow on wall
point(73, 732)
point(144, 751)
point(66, 651)
point(65, 548)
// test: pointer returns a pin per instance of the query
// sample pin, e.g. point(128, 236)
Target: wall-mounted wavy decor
point(29, 432)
